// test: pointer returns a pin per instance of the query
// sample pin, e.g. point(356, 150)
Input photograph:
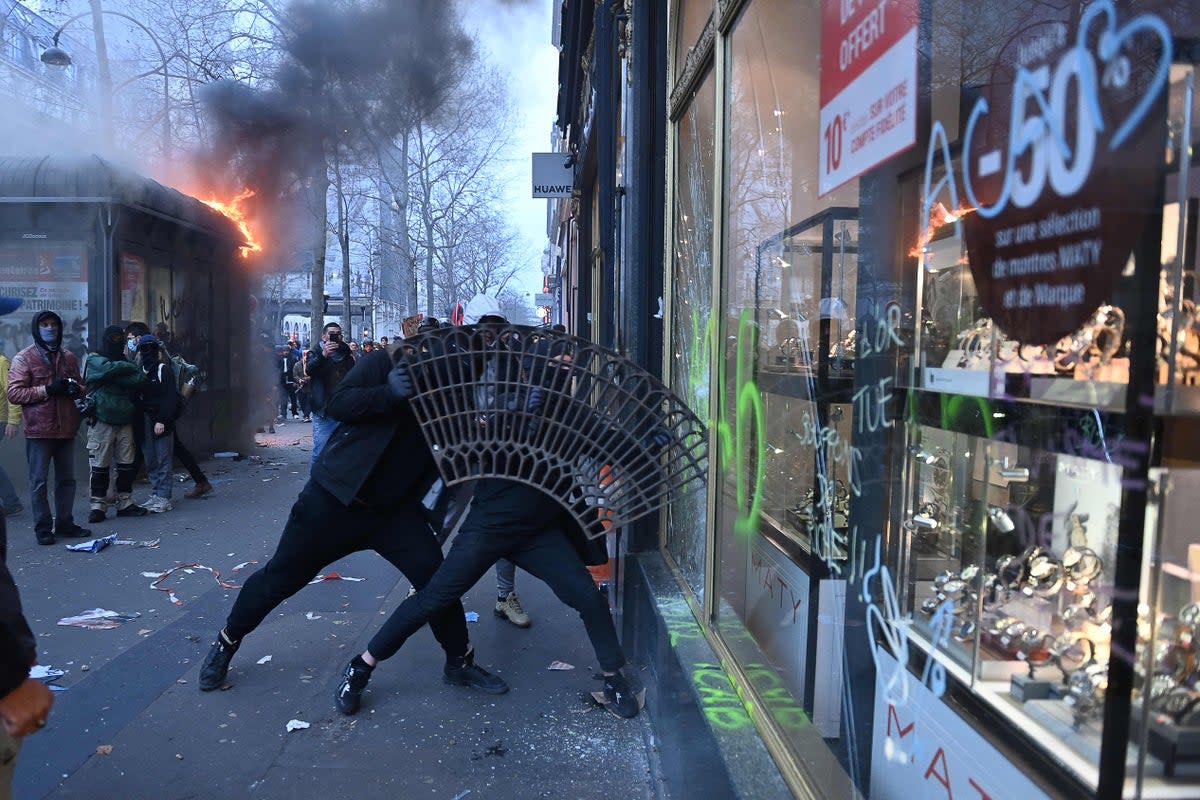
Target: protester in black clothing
point(364, 494)
point(24, 702)
point(285, 360)
point(328, 364)
point(187, 378)
point(507, 520)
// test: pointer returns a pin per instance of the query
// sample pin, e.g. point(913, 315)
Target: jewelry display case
point(807, 285)
point(1167, 703)
point(1007, 556)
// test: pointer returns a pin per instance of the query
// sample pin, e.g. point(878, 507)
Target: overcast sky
point(517, 38)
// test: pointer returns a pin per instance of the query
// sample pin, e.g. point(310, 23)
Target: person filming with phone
point(327, 366)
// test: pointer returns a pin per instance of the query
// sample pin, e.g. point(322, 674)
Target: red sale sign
point(868, 85)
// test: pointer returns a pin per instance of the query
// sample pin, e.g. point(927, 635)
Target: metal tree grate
point(584, 424)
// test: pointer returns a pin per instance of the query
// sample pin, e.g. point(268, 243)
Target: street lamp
point(55, 56)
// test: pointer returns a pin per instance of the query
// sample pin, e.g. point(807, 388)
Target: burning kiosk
point(98, 244)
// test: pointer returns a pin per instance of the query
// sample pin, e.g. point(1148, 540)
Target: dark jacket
point(326, 373)
point(17, 651)
point(378, 439)
point(159, 395)
point(113, 385)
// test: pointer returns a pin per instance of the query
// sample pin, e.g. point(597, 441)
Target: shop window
point(789, 271)
point(692, 16)
point(693, 332)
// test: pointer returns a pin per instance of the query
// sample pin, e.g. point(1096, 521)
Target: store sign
point(868, 85)
point(1060, 166)
point(920, 748)
point(553, 174)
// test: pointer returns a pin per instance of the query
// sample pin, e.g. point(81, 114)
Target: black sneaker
point(132, 510)
point(45, 537)
point(216, 665)
point(465, 672)
point(354, 681)
point(618, 697)
point(74, 532)
point(96, 515)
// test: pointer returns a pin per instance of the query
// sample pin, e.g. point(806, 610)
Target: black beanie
point(112, 343)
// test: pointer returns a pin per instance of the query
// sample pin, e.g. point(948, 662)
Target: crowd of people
point(370, 483)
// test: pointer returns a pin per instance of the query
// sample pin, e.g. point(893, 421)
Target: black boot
point(463, 671)
point(354, 681)
point(216, 665)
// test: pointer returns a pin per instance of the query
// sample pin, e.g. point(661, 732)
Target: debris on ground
point(104, 750)
point(263, 660)
point(297, 725)
point(99, 619)
point(93, 546)
point(188, 569)
point(560, 665)
point(472, 616)
point(333, 576)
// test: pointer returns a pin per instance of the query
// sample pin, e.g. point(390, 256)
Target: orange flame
point(939, 216)
point(233, 210)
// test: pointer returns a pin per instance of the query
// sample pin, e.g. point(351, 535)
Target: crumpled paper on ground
point(297, 725)
point(99, 619)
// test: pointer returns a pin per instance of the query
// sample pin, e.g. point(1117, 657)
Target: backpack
point(185, 374)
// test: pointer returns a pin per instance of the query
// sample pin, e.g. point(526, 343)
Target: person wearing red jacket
point(45, 381)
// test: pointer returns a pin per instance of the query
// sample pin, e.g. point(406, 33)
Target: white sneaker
point(157, 504)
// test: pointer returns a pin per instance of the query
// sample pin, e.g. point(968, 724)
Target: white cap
point(481, 305)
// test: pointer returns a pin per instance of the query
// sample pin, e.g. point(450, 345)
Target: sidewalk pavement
point(132, 723)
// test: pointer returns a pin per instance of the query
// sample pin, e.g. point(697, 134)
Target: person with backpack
point(160, 409)
point(113, 383)
point(187, 377)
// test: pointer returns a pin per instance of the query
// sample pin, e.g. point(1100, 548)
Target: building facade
point(928, 270)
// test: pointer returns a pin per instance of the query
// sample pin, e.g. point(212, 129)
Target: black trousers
point(188, 460)
point(319, 531)
point(540, 549)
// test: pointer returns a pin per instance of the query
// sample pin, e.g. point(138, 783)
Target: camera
point(72, 387)
point(335, 337)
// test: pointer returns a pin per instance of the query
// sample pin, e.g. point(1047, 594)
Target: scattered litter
point(93, 546)
point(297, 725)
point(104, 750)
point(263, 660)
point(243, 564)
point(84, 667)
point(560, 665)
point(333, 576)
point(472, 616)
point(225, 454)
point(56, 688)
point(188, 569)
point(99, 619)
point(461, 794)
point(256, 459)
point(145, 632)
point(311, 615)
point(181, 477)
point(44, 672)
point(179, 756)
point(181, 680)
point(266, 480)
point(142, 543)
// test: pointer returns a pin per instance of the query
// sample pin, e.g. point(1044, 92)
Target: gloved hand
point(656, 439)
point(536, 399)
point(58, 387)
point(400, 383)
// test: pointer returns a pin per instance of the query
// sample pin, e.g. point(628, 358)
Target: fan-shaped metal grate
point(584, 424)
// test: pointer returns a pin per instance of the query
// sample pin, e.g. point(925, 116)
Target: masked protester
point(507, 520)
point(160, 408)
point(364, 493)
point(187, 378)
point(45, 381)
point(113, 384)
